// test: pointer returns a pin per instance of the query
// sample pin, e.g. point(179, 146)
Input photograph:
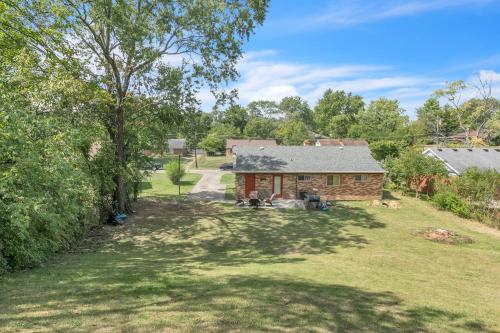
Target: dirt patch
point(444, 236)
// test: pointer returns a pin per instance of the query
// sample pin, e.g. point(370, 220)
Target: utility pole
point(179, 181)
point(195, 148)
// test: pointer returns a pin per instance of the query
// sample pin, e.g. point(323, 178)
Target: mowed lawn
point(229, 181)
point(212, 162)
point(159, 186)
point(216, 268)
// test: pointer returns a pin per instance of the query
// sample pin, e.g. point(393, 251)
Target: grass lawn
point(159, 186)
point(212, 162)
point(228, 179)
point(167, 158)
point(216, 268)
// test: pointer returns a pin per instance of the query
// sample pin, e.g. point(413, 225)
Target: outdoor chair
point(269, 200)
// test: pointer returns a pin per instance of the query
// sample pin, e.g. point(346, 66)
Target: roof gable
point(461, 159)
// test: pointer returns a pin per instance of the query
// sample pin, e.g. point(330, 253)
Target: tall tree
point(292, 132)
point(382, 120)
point(265, 109)
point(236, 116)
point(336, 111)
point(120, 44)
point(295, 108)
point(438, 122)
point(260, 128)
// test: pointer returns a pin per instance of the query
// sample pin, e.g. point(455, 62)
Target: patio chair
point(269, 200)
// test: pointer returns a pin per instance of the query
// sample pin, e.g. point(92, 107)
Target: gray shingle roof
point(230, 143)
point(461, 159)
point(312, 159)
point(176, 143)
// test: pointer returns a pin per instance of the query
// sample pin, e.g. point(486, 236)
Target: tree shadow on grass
point(147, 278)
point(236, 303)
point(209, 235)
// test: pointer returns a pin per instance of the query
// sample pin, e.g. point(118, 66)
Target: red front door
point(249, 184)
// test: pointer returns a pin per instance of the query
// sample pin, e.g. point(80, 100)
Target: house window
point(333, 180)
point(361, 178)
point(241, 180)
point(303, 178)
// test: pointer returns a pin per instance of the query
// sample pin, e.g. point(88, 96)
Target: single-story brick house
point(457, 160)
point(334, 173)
point(177, 147)
point(231, 143)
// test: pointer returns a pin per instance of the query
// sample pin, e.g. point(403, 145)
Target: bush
point(174, 172)
point(453, 202)
point(49, 195)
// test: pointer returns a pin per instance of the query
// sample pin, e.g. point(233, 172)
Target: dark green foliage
point(215, 141)
point(260, 128)
point(175, 171)
point(384, 148)
point(336, 112)
point(292, 132)
point(48, 196)
point(236, 116)
point(295, 108)
point(479, 190)
point(412, 169)
point(453, 202)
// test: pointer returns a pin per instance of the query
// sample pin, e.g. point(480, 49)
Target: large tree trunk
point(119, 141)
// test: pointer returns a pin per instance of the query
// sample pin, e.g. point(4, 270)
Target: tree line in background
point(383, 123)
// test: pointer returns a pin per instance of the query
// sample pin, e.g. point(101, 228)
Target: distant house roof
point(306, 159)
point(177, 143)
point(341, 142)
point(457, 160)
point(230, 143)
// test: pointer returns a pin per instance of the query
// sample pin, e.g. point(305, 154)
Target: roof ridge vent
point(486, 149)
point(455, 149)
point(469, 149)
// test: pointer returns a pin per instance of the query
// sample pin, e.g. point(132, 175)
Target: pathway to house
point(209, 188)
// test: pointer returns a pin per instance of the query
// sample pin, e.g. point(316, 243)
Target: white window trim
point(361, 180)
point(326, 180)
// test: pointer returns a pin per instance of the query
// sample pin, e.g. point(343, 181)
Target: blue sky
point(375, 48)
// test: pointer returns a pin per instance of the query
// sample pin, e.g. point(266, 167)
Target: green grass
point(167, 158)
point(228, 179)
point(159, 186)
point(215, 268)
point(212, 162)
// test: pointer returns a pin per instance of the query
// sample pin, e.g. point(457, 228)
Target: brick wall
point(349, 189)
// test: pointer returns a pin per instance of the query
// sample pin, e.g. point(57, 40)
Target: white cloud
point(265, 77)
point(345, 13)
point(489, 75)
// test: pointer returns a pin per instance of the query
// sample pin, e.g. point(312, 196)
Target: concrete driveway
point(209, 188)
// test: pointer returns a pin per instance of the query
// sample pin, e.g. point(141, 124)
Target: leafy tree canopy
point(344, 106)
point(295, 108)
point(292, 132)
point(261, 128)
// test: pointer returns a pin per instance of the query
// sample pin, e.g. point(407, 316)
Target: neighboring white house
point(457, 160)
